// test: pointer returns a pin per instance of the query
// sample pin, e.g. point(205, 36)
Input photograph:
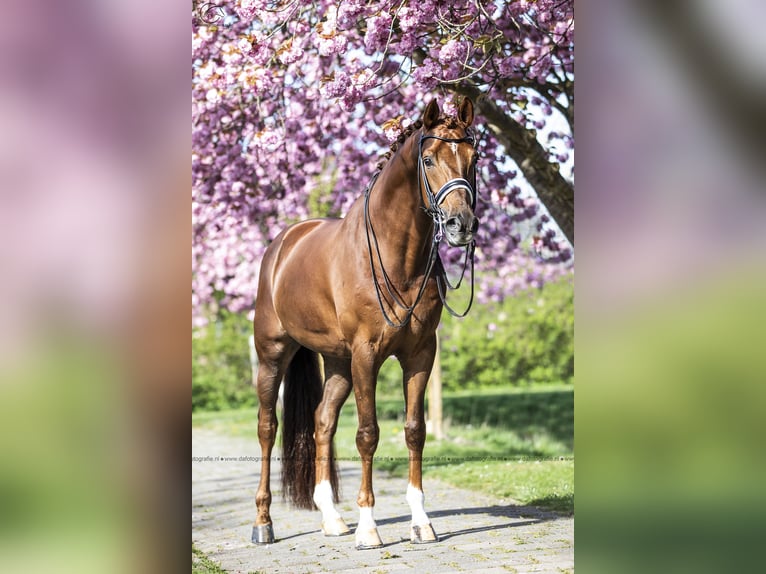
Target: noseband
point(437, 214)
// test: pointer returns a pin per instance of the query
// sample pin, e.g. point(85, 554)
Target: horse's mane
point(449, 122)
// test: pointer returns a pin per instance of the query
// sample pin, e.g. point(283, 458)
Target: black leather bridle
point(432, 206)
point(435, 200)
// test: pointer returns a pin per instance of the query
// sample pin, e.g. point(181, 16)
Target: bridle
point(432, 206)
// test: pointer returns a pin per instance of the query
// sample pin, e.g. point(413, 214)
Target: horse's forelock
point(449, 123)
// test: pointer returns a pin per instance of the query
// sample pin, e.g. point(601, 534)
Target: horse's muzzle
point(460, 229)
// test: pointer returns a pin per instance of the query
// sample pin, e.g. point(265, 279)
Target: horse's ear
point(465, 113)
point(431, 115)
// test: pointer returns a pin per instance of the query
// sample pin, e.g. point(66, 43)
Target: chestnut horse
point(358, 290)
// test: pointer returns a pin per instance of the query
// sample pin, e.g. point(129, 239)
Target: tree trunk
point(435, 416)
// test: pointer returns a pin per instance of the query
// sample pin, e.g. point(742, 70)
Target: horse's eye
point(428, 161)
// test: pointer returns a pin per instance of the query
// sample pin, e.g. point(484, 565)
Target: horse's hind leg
point(273, 358)
point(336, 390)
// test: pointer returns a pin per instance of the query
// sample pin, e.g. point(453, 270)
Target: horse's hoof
point(368, 540)
point(335, 527)
point(263, 534)
point(423, 534)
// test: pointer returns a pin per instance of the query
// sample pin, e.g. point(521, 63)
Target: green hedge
point(534, 410)
point(527, 339)
point(523, 340)
point(221, 372)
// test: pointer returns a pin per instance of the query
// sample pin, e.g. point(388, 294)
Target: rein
point(434, 210)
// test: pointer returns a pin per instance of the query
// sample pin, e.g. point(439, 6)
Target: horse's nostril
point(455, 224)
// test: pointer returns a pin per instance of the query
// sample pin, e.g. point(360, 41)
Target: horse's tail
point(303, 392)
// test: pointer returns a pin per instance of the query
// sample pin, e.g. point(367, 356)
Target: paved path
point(477, 533)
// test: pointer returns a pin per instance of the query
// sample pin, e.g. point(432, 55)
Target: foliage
point(547, 410)
point(289, 96)
point(522, 340)
point(531, 411)
point(525, 339)
point(221, 371)
point(519, 423)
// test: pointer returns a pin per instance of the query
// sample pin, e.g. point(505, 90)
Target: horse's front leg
point(336, 390)
point(417, 369)
point(364, 373)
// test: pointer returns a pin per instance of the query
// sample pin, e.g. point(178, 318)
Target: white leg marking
point(366, 521)
point(415, 498)
point(367, 531)
point(332, 523)
point(323, 500)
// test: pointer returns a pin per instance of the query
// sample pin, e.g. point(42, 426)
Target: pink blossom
point(427, 75)
point(332, 46)
point(348, 11)
point(281, 104)
point(453, 50)
point(247, 9)
point(237, 188)
point(245, 46)
point(291, 53)
point(378, 30)
point(338, 86)
point(408, 19)
point(408, 42)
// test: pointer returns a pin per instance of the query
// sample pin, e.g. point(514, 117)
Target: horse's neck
point(403, 229)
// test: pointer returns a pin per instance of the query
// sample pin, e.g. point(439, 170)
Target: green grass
point(201, 564)
point(548, 484)
point(524, 454)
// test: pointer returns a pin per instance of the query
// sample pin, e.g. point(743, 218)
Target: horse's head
point(446, 168)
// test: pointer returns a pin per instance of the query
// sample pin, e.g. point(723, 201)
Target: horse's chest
point(411, 336)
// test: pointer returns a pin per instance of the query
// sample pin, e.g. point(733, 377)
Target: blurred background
point(94, 251)
point(94, 325)
point(670, 290)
